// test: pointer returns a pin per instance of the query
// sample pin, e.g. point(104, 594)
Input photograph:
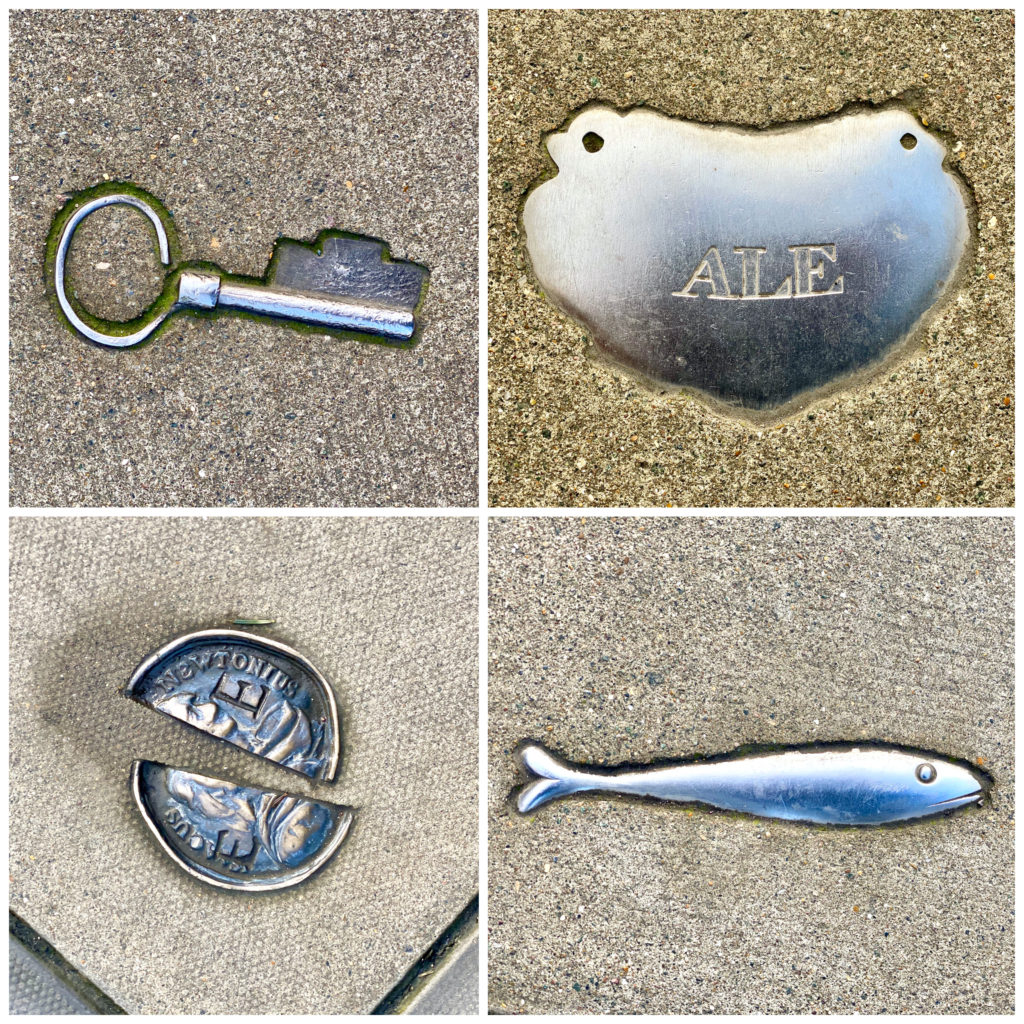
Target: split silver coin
point(234, 836)
point(249, 691)
point(760, 269)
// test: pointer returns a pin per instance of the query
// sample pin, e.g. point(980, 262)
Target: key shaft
point(198, 290)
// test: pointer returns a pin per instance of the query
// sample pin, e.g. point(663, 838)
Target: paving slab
point(248, 126)
point(34, 988)
point(386, 609)
point(567, 429)
point(454, 987)
point(635, 640)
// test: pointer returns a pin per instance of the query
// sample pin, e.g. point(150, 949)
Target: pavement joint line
point(439, 951)
point(64, 975)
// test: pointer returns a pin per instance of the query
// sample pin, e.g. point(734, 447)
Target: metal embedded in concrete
point(340, 283)
point(759, 268)
point(255, 693)
point(234, 836)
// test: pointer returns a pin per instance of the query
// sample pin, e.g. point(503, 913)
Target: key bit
point(340, 283)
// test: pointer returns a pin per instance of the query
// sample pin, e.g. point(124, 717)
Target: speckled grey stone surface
point(566, 429)
point(386, 609)
point(634, 640)
point(247, 125)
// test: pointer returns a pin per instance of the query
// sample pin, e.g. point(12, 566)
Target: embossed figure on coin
point(237, 836)
point(238, 822)
point(269, 700)
point(273, 729)
point(250, 691)
point(759, 268)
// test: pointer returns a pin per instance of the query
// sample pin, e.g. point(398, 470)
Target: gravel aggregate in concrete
point(640, 639)
point(248, 126)
point(566, 429)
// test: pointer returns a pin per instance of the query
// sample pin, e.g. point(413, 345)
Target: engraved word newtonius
point(758, 268)
point(255, 693)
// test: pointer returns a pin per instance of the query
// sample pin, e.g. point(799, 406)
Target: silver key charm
point(341, 283)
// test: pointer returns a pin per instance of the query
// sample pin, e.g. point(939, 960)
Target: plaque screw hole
point(592, 142)
point(908, 141)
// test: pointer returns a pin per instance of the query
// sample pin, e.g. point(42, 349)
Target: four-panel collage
point(511, 511)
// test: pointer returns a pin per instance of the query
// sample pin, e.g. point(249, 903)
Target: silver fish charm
point(822, 785)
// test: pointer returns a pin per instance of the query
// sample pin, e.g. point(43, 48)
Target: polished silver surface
point(255, 693)
point(341, 283)
point(828, 786)
point(237, 837)
point(758, 268)
point(60, 268)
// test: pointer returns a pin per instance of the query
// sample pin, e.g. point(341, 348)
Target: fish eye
point(925, 772)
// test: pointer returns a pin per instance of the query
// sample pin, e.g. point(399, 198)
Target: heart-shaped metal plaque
point(759, 268)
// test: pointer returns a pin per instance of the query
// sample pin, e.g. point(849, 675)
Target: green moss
point(163, 306)
point(163, 303)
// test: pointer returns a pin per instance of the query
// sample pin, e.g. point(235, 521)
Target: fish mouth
point(961, 801)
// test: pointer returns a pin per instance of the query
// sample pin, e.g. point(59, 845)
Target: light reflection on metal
point(340, 283)
point(760, 269)
point(827, 785)
point(233, 836)
point(252, 692)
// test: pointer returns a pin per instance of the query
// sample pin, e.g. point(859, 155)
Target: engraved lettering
point(166, 683)
point(239, 660)
point(220, 659)
point(185, 670)
point(256, 665)
point(194, 839)
point(807, 270)
point(245, 696)
point(201, 661)
point(710, 271)
point(751, 270)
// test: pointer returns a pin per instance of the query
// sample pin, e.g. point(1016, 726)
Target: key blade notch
point(350, 266)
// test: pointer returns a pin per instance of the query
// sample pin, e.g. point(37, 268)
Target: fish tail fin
point(553, 778)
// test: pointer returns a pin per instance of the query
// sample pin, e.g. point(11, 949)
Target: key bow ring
point(340, 284)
